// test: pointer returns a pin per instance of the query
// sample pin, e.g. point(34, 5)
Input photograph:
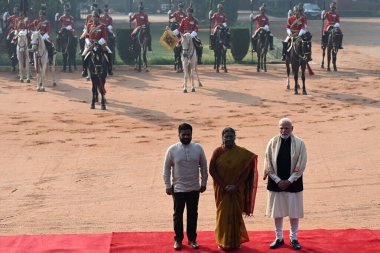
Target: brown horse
point(332, 44)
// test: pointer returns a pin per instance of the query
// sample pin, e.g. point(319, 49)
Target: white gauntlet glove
point(88, 42)
point(302, 32)
point(193, 34)
point(289, 32)
point(322, 14)
point(266, 28)
point(336, 25)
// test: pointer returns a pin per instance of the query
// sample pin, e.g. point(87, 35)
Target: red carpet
point(314, 241)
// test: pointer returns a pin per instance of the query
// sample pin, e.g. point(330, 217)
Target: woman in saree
point(234, 170)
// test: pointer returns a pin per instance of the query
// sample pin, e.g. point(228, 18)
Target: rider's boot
point(211, 42)
point(84, 63)
point(271, 42)
point(50, 50)
point(109, 56)
point(340, 42)
point(199, 53)
point(149, 41)
point(228, 40)
point(254, 44)
point(284, 48)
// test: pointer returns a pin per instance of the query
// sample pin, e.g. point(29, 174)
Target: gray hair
point(285, 120)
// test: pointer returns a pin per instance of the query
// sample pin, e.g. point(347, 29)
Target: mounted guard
point(96, 32)
point(333, 21)
point(66, 21)
point(175, 18)
point(42, 25)
point(220, 20)
point(190, 25)
point(262, 23)
point(141, 19)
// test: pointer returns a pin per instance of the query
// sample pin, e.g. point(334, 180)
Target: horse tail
point(311, 72)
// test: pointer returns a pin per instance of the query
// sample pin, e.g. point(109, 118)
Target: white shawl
point(297, 153)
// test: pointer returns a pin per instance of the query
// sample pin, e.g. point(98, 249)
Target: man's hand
point(202, 189)
point(169, 191)
point(284, 184)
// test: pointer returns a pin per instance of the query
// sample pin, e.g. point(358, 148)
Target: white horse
point(189, 61)
point(23, 56)
point(41, 60)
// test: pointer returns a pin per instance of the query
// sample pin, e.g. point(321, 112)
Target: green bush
point(239, 43)
point(123, 44)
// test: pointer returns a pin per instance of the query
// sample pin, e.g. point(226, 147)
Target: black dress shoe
point(295, 244)
point(276, 243)
point(194, 245)
point(177, 245)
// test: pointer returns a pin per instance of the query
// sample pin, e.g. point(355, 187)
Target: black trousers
point(190, 199)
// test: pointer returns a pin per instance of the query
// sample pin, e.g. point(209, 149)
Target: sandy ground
point(68, 169)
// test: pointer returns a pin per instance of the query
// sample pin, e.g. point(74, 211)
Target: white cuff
point(45, 36)
point(69, 27)
point(176, 32)
point(251, 16)
point(322, 14)
point(88, 42)
point(289, 13)
point(193, 34)
point(56, 16)
point(266, 28)
point(288, 31)
point(337, 25)
point(109, 27)
point(101, 41)
point(225, 24)
point(169, 12)
point(302, 32)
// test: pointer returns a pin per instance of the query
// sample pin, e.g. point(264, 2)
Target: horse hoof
point(104, 107)
point(265, 70)
point(28, 81)
point(200, 84)
point(322, 66)
point(335, 69)
point(184, 91)
point(92, 106)
point(225, 71)
point(21, 80)
point(217, 70)
point(288, 87)
point(295, 92)
point(258, 70)
point(54, 84)
point(193, 90)
point(42, 89)
point(146, 70)
point(304, 92)
point(70, 71)
point(328, 69)
point(139, 70)
point(88, 78)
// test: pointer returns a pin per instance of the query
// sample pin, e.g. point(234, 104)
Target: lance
point(209, 37)
point(250, 36)
point(170, 7)
point(130, 11)
point(323, 20)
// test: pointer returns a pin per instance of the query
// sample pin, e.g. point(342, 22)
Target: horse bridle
point(304, 56)
point(187, 50)
point(37, 45)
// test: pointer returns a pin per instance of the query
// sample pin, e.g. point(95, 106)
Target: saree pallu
point(231, 165)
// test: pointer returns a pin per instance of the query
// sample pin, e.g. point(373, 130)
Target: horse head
point(221, 34)
point(36, 40)
point(306, 49)
point(335, 37)
point(22, 40)
point(186, 41)
point(97, 57)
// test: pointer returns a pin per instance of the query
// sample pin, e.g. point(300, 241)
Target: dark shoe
point(295, 244)
point(277, 243)
point(340, 47)
point(177, 245)
point(194, 245)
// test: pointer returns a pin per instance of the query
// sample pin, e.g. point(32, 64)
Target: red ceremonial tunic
point(11, 20)
point(141, 19)
point(66, 20)
point(96, 32)
point(21, 24)
point(178, 16)
point(41, 26)
point(219, 18)
point(332, 18)
point(106, 20)
point(295, 24)
point(88, 20)
point(261, 20)
point(188, 25)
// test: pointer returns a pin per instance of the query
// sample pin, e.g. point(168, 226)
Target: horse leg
point(334, 60)
point(328, 58)
point(145, 61)
point(265, 62)
point(64, 55)
point(20, 67)
point(258, 61)
point(27, 67)
point(303, 68)
point(192, 70)
point(323, 57)
point(295, 73)
point(185, 76)
point(52, 69)
point(196, 72)
point(94, 91)
point(140, 62)
point(288, 74)
point(103, 103)
point(224, 61)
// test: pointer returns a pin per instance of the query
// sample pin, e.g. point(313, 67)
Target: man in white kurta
point(285, 162)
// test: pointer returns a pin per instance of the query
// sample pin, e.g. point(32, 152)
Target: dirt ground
point(68, 169)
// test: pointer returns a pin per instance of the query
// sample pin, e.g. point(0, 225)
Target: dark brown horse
point(262, 49)
point(220, 48)
point(332, 44)
point(298, 56)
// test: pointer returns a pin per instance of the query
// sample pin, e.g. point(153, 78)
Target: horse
point(140, 47)
point(41, 60)
point(189, 61)
point(262, 49)
point(220, 48)
point(23, 56)
point(298, 56)
point(332, 45)
point(98, 70)
point(68, 46)
point(177, 50)
point(11, 48)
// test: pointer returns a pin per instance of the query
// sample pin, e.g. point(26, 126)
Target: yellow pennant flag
point(169, 40)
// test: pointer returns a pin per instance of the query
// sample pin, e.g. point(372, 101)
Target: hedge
point(239, 43)
point(124, 42)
